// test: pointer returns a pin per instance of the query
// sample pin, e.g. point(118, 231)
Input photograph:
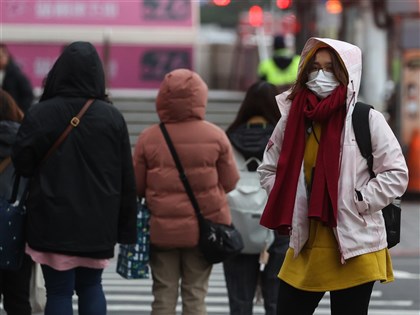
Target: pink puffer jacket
point(205, 153)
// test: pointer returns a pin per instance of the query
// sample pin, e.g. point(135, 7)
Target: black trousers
point(14, 288)
point(351, 301)
point(242, 273)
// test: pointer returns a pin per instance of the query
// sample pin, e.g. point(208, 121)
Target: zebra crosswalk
point(129, 297)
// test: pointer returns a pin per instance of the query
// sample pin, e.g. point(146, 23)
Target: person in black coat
point(14, 81)
point(14, 284)
point(82, 198)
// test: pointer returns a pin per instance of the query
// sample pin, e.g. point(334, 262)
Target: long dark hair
point(259, 101)
point(9, 110)
point(339, 70)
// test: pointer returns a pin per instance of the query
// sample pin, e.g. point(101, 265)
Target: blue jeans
point(60, 286)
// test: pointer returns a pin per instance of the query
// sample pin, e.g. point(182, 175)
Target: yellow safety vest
point(277, 76)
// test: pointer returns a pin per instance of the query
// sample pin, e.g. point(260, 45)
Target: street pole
point(262, 48)
point(374, 49)
point(306, 19)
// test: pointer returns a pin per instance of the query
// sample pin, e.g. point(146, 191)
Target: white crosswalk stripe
point(126, 297)
point(129, 297)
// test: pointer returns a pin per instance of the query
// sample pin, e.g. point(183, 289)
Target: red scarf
point(330, 112)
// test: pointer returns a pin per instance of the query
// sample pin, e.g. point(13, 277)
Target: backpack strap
point(360, 121)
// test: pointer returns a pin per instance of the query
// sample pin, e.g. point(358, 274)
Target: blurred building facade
point(387, 31)
point(142, 40)
point(139, 41)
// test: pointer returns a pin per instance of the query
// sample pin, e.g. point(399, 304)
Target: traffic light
point(284, 4)
point(256, 16)
point(221, 3)
point(333, 6)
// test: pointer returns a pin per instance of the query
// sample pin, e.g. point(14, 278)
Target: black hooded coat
point(82, 199)
point(18, 86)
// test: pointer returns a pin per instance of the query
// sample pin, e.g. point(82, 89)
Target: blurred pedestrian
point(14, 284)
point(82, 199)
point(206, 156)
point(14, 81)
point(281, 69)
point(249, 134)
point(320, 188)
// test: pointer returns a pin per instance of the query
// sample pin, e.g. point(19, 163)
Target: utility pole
point(374, 51)
point(306, 19)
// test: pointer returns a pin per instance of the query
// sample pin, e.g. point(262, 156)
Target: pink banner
point(98, 12)
point(128, 66)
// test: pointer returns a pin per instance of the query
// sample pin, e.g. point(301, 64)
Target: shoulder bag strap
point(74, 122)
point(360, 121)
point(182, 175)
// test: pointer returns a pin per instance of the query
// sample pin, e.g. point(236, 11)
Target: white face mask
point(322, 83)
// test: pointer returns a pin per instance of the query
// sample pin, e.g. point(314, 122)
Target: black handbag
point(392, 217)
point(217, 241)
point(392, 212)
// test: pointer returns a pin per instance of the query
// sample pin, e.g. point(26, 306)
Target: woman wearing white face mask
point(320, 190)
point(321, 78)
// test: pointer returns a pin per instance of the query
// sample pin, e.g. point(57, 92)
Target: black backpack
point(392, 212)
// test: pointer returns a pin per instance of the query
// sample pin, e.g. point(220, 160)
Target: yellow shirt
point(318, 266)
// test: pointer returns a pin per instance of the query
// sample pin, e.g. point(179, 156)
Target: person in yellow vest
point(282, 68)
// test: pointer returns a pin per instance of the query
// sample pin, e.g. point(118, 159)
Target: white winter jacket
point(360, 224)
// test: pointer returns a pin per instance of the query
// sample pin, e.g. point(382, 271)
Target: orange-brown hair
point(340, 72)
point(8, 108)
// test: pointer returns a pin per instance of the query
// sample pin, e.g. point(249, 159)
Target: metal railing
point(138, 108)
